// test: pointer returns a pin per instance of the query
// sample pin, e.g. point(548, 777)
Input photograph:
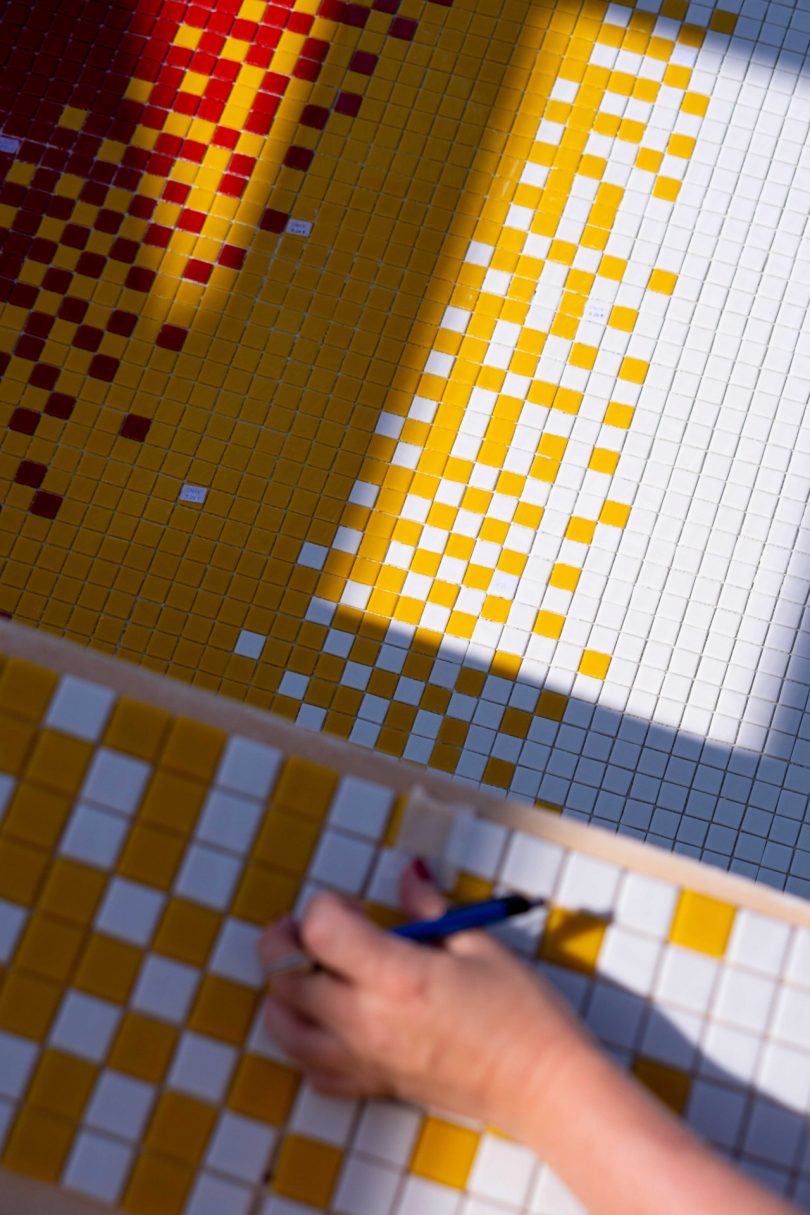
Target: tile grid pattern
point(141, 852)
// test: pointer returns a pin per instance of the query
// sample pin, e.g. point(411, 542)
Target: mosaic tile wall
point(432, 377)
point(141, 853)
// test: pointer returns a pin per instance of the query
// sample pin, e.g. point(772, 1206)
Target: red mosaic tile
point(24, 421)
point(45, 505)
point(241, 164)
point(232, 256)
point(225, 137)
point(176, 191)
point(191, 221)
point(136, 427)
point(348, 104)
point(232, 185)
point(300, 23)
point(30, 474)
point(198, 271)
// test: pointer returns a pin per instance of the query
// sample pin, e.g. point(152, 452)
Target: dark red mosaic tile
point(348, 104)
point(23, 295)
point(45, 505)
point(87, 337)
point(140, 278)
point(39, 324)
point(90, 265)
point(108, 221)
point(124, 250)
point(172, 337)
point(314, 48)
point(355, 15)
point(298, 158)
point(158, 235)
point(75, 236)
point(135, 427)
point(314, 116)
point(122, 323)
point(403, 27)
point(103, 367)
point(363, 62)
point(60, 405)
point(274, 221)
point(57, 280)
point(72, 309)
point(24, 421)
point(43, 250)
point(44, 376)
point(29, 347)
point(30, 474)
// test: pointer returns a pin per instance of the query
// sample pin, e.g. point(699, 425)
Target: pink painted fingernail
point(422, 870)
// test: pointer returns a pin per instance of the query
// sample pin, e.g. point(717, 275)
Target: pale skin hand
point(468, 1028)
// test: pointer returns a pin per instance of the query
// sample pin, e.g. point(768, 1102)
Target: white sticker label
point(9, 144)
point(596, 311)
point(193, 493)
point(299, 227)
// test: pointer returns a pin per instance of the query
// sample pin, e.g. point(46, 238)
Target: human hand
point(464, 1026)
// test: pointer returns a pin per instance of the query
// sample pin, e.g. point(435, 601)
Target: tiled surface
point(133, 1065)
point(436, 378)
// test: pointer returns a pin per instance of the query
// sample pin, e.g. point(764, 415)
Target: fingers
point(421, 897)
point(310, 1045)
point(351, 946)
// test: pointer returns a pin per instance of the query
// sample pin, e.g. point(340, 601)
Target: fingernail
point(422, 870)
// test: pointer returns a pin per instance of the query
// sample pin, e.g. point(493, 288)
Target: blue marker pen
point(458, 919)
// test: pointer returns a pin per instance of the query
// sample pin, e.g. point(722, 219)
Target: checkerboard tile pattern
point(141, 852)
